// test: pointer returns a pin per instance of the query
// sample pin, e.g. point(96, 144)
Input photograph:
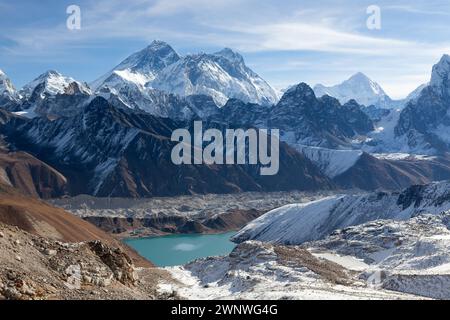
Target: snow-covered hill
point(299, 223)
point(360, 88)
point(261, 271)
point(381, 259)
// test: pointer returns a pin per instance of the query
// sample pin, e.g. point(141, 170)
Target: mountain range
point(112, 137)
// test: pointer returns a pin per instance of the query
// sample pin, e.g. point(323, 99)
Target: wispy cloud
point(254, 27)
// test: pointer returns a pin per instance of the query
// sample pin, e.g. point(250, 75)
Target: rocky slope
point(41, 219)
point(38, 268)
point(382, 172)
point(27, 173)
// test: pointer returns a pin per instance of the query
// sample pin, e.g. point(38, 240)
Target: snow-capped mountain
point(139, 68)
point(440, 81)
point(360, 88)
point(9, 98)
point(424, 125)
point(299, 223)
point(51, 83)
point(54, 94)
point(222, 75)
point(6, 86)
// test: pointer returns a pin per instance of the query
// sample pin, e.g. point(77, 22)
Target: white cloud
point(253, 27)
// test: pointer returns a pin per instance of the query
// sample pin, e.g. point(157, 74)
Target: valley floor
point(202, 214)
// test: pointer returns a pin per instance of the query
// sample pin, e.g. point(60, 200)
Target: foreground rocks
point(33, 267)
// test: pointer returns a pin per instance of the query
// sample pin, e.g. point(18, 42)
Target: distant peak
point(50, 73)
point(230, 55)
point(301, 89)
point(158, 44)
point(441, 74)
point(359, 76)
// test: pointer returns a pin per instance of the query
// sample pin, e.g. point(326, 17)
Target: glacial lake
point(174, 250)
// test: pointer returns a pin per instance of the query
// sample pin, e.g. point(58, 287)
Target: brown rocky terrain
point(39, 218)
point(34, 268)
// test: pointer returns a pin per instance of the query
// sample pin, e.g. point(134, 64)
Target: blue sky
point(286, 42)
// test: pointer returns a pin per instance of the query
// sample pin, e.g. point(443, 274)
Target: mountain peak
point(231, 55)
point(358, 87)
point(440, 77)
point(359, 76)
point(52, 82)
point(141, 67)
point(301, 91)
point(6, 86)
point(158, 44)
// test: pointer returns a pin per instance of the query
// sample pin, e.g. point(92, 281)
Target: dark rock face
point(412, 195)
point(375, 113)
point(302, 118)
point(425, 120)
point(108, 151)
point(66, 104)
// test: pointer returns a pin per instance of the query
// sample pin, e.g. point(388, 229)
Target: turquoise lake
point(177, 250)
